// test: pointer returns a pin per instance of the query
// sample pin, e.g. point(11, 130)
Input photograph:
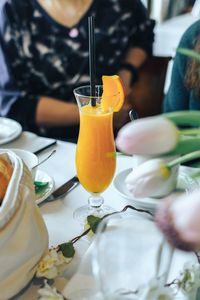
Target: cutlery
point(64, 189)
point(133, 115)
point(42, 161)
point(45, 147)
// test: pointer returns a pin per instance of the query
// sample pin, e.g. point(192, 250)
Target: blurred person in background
point(44, 56)
point(184, 90)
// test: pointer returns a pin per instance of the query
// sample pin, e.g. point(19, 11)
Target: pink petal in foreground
point(179, 220)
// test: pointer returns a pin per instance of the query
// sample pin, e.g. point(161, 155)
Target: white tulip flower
point(156, 177)
point(152, 179)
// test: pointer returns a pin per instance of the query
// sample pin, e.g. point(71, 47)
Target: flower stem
point(74, 240)
point(183, 159)
point(190, 131)
point(114, 154)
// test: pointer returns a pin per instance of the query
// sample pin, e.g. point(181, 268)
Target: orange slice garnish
point(113, 93)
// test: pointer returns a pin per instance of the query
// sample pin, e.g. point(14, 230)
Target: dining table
point(58, 214)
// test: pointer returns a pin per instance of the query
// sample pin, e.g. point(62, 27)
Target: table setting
point(135, 237)
point(62, 227)
point(63, 207)
point(100, 277)
point(10, 129)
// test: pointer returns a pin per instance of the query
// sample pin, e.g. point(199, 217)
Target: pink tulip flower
point(179, 219)
point(148, 136)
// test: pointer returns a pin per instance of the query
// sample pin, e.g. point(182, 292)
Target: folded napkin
point(28, 141)
point(23, 234)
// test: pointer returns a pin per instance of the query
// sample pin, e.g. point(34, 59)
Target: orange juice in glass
point(95, 168)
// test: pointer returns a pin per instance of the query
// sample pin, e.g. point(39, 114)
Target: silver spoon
point(133, 115)
point(41, 162)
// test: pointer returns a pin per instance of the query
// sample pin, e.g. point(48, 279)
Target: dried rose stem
point(198, 256)
point(74, 240)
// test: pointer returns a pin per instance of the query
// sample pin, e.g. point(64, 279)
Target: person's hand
point(122, 117)
point(125, 77)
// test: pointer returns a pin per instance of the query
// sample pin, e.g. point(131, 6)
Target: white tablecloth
point(58, 215)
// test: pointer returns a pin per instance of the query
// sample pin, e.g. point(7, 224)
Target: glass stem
point(95, 200)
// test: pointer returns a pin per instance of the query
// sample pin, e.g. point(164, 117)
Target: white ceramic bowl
point(29, 158)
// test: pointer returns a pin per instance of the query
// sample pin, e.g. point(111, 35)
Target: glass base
point(81, 213)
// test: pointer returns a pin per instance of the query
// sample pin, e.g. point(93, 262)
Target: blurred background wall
point(162, 10)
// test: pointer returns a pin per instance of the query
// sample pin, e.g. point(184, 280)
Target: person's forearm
point(136, 57)
point(54, 112)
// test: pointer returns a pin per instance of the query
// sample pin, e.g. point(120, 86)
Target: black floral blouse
point(40, 57)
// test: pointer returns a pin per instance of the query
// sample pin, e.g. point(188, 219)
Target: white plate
point(9, 130)
point(185, 182)
point(45, 193)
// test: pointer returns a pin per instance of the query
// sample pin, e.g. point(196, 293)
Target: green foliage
point(189, 138)
point(184, 117)
point(40, 186)
point(186, 144)
point(93, 222)
point(188, 52)
point(67, 249)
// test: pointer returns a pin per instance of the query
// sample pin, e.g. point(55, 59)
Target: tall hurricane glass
point(95, 167)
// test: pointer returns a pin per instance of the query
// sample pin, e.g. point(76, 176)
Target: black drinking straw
point(92, 64)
